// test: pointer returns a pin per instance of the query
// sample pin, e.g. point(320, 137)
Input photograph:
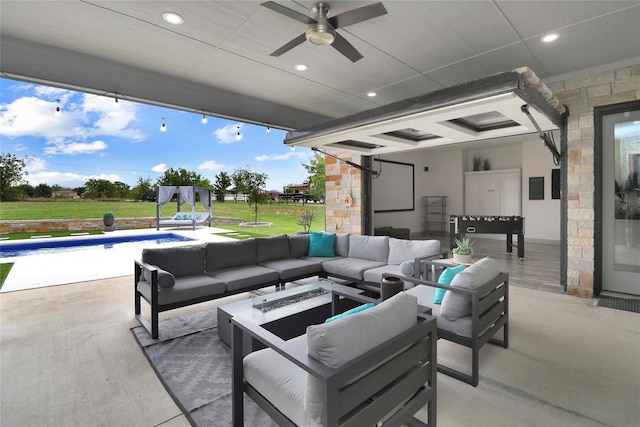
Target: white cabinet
point(493, 192)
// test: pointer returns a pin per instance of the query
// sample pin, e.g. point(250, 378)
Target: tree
point(254, 184)
point(316, 179)
point(182, 176)
point(43, 190)
point(238, 177)
point(121, 190)
point(27, 190)
point(11, 175)
point(144, 189)
point(100, 188)
point(221, 185)
point(80, 190)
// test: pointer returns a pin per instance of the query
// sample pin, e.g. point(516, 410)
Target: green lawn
point(4, 272)
point(284, 216)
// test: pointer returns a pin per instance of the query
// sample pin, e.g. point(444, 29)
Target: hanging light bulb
point(238, 131)
point(268, 129)
point(116, 97)
point(204, 119)
point(163, 128)
point(58, 111)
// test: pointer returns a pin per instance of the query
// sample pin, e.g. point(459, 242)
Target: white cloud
point(35, 164)
point(210, 165)
point(160, 168)
point(73, 148)
point(114, 117)
point(286, 156)
point(229, 133)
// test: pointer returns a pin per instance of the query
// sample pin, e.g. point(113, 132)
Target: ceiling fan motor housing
point(320, 32)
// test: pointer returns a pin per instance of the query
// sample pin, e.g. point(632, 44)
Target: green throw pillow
point(321, 244)
point(348, 312)
point(445, 279)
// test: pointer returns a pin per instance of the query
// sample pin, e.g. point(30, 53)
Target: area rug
point(620, 303)
point(195, 368)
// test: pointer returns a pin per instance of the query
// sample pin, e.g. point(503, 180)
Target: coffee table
point(286, 320)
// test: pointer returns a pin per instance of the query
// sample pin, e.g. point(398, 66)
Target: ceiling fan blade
point(289, 12)
point(344, 47)
point(357, 15)
point(287, 47)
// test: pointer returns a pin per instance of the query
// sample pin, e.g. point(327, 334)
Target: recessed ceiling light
point(301, 67)
point(172, 18)
point(548, 38)
point(371, 94)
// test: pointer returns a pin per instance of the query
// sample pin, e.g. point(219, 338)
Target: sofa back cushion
point(342, 244)
point(407, 250)
point(341, 341)
point(274, 247)
point(179, 261)
point(230, 254)
point(299, 245)
point(373, 248)
point(455, 304)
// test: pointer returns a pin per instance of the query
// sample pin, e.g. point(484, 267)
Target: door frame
point(598, 116)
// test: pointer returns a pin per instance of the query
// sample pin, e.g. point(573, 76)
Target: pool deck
point(37, 271)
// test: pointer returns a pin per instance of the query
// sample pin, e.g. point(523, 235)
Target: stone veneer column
point(581, 95)
point(343, 179)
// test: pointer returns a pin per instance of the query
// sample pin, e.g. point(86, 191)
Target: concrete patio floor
point(68, 359)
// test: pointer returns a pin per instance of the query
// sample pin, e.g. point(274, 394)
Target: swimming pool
point(56, 245)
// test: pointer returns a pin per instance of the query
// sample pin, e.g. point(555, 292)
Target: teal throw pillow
point(321, 244)
point(445, 279)
point(348, 312)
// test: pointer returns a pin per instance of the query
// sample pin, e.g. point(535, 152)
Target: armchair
point(336, 375)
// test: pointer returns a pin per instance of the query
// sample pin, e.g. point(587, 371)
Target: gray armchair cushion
point(374, 248)
point(299, 245)
point(339, 342)
point(407, 250)
point(455, 304)
point(275, 247)
point(179, 261)
point(230, 254)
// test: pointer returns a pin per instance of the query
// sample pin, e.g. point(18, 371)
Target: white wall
point(446, 178)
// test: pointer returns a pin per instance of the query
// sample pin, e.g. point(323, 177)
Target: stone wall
point(581, 95)
point(341, 180)
point(49, 225)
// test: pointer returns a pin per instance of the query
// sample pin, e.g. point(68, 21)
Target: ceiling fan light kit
point(321, 30)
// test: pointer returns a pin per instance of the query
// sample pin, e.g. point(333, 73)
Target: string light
point(238, 130)
point(268, 129)
point(58, 111)
point(204, 118)
point(163, 128)
point(116, 96)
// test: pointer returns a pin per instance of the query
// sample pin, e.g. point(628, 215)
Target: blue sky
point(95, 137)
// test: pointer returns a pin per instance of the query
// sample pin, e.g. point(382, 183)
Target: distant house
point(297, 188)
point(64, 194)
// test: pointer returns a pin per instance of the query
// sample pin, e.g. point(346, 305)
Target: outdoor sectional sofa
point(169, 278)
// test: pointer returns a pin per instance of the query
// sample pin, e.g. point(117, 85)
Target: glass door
point(620, 198)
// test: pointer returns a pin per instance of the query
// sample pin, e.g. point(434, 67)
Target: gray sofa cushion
point(407, 250)
point(456, 305)
point(289, 268)
point(299, 245)
point(165, 279)
point(246, 276)
point(374, 248)
point(230, 254)
point(275, 247)
point(280, 381)
point(342, 244)
point(339, 342)
point(375, 274)
point(185, 288)
point(179, 260)
point(350, 267)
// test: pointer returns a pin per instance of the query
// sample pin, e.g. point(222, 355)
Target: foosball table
point(461, 225)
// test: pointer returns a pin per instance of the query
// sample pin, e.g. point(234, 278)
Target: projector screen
point(393, 189)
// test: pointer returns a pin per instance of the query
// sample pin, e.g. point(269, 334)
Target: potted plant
point(463, 251)
point(108, 219)
point(306, 218)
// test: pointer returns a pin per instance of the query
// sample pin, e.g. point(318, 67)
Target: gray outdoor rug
point(620, 303)
point(195, 368)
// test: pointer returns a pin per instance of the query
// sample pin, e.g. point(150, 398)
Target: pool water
point(84, 243)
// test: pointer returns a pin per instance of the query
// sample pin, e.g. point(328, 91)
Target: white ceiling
point(218, 59)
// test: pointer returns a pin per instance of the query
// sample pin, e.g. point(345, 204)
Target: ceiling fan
point(321, 29)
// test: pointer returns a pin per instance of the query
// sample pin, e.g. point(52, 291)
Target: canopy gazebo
point(185, 194)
